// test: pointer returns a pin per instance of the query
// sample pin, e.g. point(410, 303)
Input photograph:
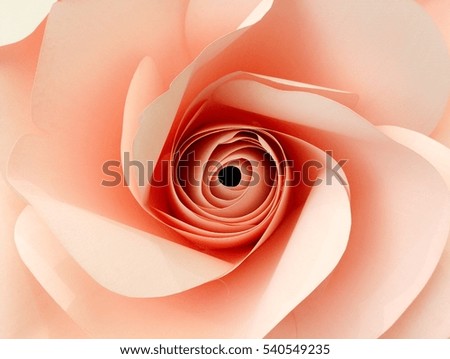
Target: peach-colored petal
point(399, 68)
point(438, 10)
point(428, 315)
point(18, 306)
point(19, 18)
point(257, 13)
point(17, 67)
point(209, 20)
point(26, 310)
point(442, 131)
point(400, 211)
point(432, 151)
point(246, 303)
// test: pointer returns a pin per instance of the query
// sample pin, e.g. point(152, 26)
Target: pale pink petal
point(442, 131)
point(286, 329)
point(438, 10)
point(208, 20)
point(246, 303)
point(432, 151)
point(388, 52)
point(26, 310)
point(19, 18)
point(17, 67)
point(400, 211)
point(257, 13)
point(18, 306)
point(400, 69)
point(428, 316)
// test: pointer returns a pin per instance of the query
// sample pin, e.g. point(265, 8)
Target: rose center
point(230, 176)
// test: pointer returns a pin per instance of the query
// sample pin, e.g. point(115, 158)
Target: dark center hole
point(230, 176)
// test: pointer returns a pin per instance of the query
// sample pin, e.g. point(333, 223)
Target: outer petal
point(19, 18)
point(401, 73)
point(442, 131)
point(17, 300)
point(388, 52)
point(26, 309)
point(17, 68)
point(428, 315)
point(209, 20)
point(438, 10)
point(89, 53)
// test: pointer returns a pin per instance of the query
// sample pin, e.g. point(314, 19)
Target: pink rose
point(328, 114)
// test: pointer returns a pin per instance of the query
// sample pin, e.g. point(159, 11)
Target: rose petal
point(427, 317)
point(18, 306)
point(398, 199)
point(435, 153)
point(19, 18)
point(209, 20)
point(438, 10)
point(246, 303)
point(26, 310)
point(401, 72)
point(120, 258)
point(17, 66)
